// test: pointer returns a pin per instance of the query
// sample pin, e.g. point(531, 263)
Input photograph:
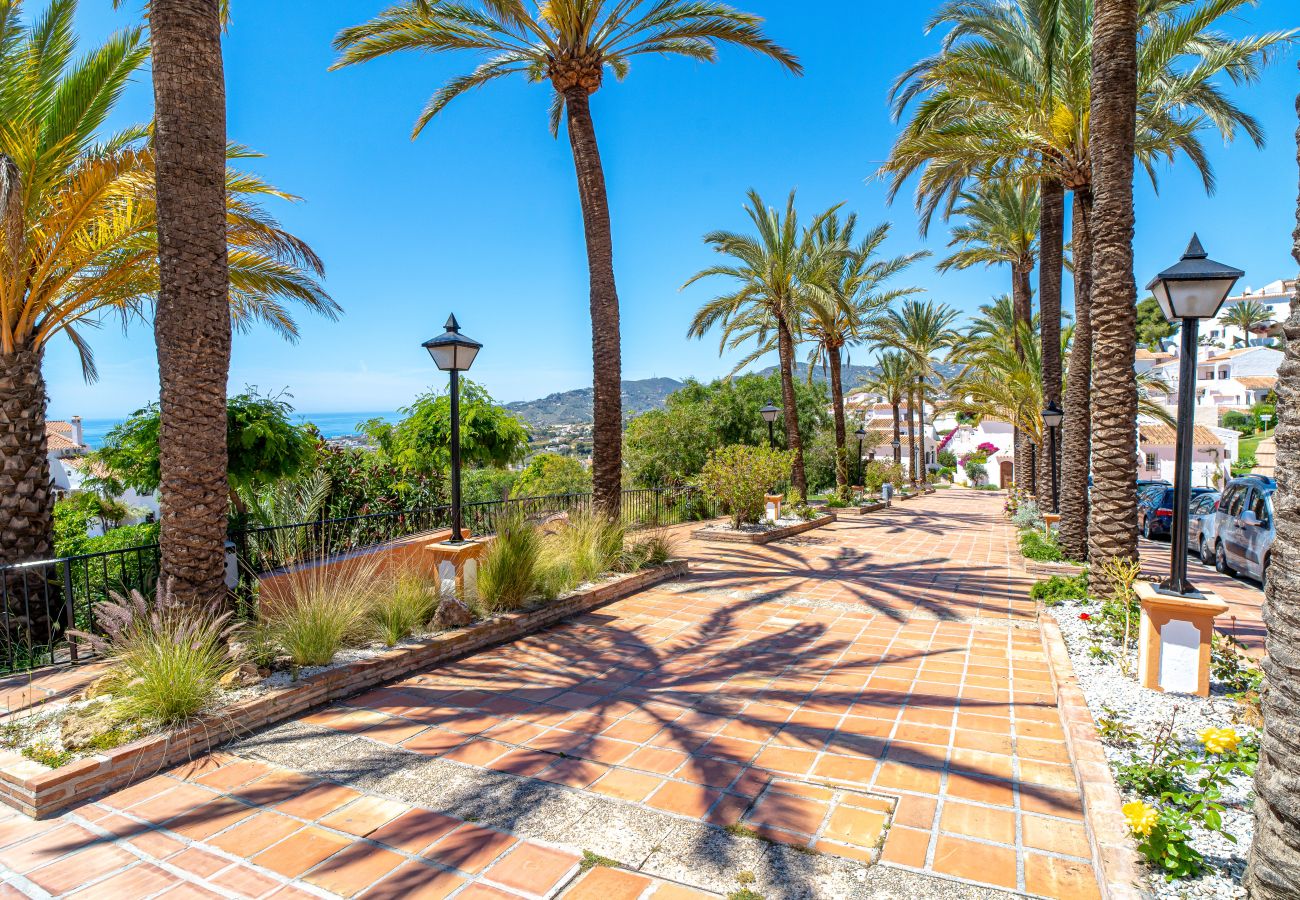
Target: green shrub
point(316, 610)
point(166, 658)
point(1027, 515)
point(947, 459)
point(403, 607)
point(1040, 546)
point(880, 472)
point(657, 548)
point(507, 571)
point(1060, 587)
point(740, 477)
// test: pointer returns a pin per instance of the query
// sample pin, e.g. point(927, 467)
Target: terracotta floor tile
point(486, 892)
point(318, 801)
point(353, 869)
point(470, 848)
point(522, 762)
point(88, 865)
point(199, 861)
point(254, 835)
point(980, 790)
point(1051, 801)
point(532, 868)
point(1053, 877)
point(415, 831)
point(171, 803)
point(683, 799)
point(602, 883)
point(848, 769)
point(626, 785)
point(577, 773)
point(856, 826)
point(975, 862)
point(300, 851)
point(415, 881)
point(394, 731)
point(363, 816)
point(782, 759)
point(233, 775)
point(906, 846)
point(896, 776)
point(138, 881)
point(245, 881)
point(1057, 835)
point(47, 847)
point(477, 752)
point(788, 813)
point(155, 843)
point(978, 821)
point(434, 741)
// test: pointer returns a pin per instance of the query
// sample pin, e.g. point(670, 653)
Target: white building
point(878, 418)
point(63, 441)
point(966, 439)
point(1225, 379)
point(1274, 296)
point(1213, 450)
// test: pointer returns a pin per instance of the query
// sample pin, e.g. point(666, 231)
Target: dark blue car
point(1156, 510)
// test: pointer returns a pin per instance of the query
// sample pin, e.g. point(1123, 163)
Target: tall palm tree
point(892, 381)
point(1274, 868)
point(920, 328)
point(569, 43)
point(1076, 431)
point(81, 245)
point(81, 242)
point(1112, 531)
point(1002, 217)
point(776, 272)
point(1248, 316)
point(1012, 86)
point(842, 303)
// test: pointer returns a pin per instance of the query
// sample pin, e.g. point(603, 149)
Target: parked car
point(1156, 509)
point(1151, 482)
point(1244, 527)
point(1200, 526)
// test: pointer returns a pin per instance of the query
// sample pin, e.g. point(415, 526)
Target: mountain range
point(574, 407)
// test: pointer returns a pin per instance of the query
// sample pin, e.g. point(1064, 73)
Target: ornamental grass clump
point(316, 610)
point(585, 548)
point(508, 569)
point(740, 477)
point(166, 659)
point(402, 607)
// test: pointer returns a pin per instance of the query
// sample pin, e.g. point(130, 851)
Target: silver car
point(1244, 527)
point(1200, 526)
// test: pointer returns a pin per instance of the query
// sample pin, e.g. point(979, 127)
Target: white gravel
point(1106, 686)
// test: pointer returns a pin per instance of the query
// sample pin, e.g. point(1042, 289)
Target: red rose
point(1084, 616)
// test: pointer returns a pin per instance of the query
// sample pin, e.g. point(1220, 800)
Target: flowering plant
point(1141, 818)
point(1085, 616)
point(1219, 740)
point(987, 449)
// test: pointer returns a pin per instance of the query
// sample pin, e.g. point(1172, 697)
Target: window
point(1153, 461)
point(1238, 495)
point(1259, 506)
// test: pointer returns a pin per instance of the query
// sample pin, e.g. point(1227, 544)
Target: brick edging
point(39, 792)
point(764, 537)
point(1115, 859)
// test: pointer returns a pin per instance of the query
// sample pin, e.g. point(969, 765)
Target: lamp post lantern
point(454, 352)
point(1192, 289)
point(898, 451)
point(770, 414)
point(860, 434)
point(1052, 417)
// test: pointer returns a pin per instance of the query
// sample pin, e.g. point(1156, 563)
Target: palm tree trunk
point(841, 436)
point(606, 345)
point(920, 416)
point(1052, 243)
point(1113, 526)
point(898, 431)
point(911, 432)
point(1022, 313)
point(192, 322)
point(1273, 872)
point(1076, 443)
point(26, 505)
point(785, 350)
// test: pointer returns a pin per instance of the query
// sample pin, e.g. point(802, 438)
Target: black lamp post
point(860, 434)
point(1192, 289)
point(1052, 417)
point(453, 352)
point(769, 414)
point(898, 451)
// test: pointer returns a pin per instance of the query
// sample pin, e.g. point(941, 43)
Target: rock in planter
point(81, 726)
point(243, 675)
point(98, 688)
point(452, 614)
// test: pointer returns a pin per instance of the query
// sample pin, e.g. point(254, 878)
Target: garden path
point(880, 678)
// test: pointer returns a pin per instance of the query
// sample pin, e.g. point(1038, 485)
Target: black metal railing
point(40, 601)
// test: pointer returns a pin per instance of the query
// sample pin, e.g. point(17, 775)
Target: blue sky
point(480, 214)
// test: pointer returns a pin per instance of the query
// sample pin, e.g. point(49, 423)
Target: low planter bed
point(1035, 567)
point(1137, 750)
point(39, 791)
point(870, 506)
point(760, 534)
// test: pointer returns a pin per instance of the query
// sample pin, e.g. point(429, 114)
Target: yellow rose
point(1219, 740)
point(1141, 818)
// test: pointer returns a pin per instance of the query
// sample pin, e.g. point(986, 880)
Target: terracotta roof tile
point(1162, 434)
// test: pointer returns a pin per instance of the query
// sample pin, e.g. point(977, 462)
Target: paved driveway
point(773, 720)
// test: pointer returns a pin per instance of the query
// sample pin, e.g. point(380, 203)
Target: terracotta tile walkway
point(879, 679)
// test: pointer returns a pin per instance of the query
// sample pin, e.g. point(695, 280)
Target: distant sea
point(331, 425)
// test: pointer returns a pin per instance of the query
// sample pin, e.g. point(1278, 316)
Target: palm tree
point(569, 43)
point(1002, 223)
point(920, 329)
point(776, 272)
point(1274, 868)
point(892, 381)
point(1012, 87)
point(1001, 378)
point(1112, 532)
point(840, 307)
point(81, 243)
point(1249, 316)
point(1076, 431)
